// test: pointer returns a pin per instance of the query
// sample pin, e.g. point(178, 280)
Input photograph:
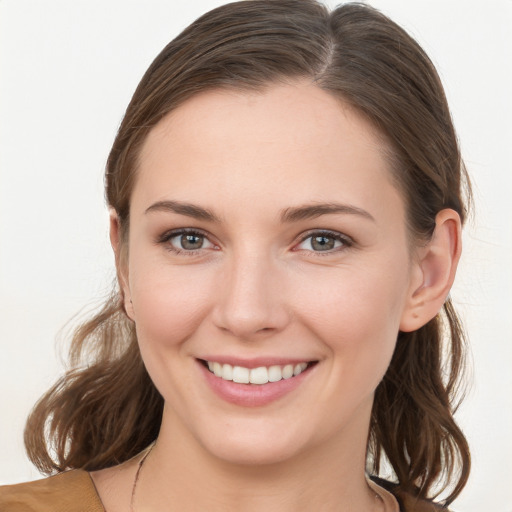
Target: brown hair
point(106, 410)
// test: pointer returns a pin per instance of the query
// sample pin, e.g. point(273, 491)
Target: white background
point(67, 72)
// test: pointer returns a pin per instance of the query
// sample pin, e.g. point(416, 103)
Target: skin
point(258, 287)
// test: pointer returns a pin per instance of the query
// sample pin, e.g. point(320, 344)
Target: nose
point(250, 301)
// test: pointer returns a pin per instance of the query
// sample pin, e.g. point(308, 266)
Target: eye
point(186, 241)
point(324, 241)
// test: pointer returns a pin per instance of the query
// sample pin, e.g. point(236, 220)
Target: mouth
point(258, 376)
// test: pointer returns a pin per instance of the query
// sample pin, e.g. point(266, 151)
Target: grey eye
point(321, 242)
point(190, 242)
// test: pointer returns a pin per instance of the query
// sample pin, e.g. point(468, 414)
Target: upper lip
point(255, 362)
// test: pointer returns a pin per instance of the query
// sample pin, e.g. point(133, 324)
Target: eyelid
point(346, 240)
point(165, 238)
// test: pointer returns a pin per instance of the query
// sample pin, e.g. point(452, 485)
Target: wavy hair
point(106, 409)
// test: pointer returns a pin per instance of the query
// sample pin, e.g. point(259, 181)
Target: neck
point(180, 474)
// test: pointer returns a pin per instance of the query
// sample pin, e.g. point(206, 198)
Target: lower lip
point(252, 395)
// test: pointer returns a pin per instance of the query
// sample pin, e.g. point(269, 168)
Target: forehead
point(295, 138)
point(298, 116)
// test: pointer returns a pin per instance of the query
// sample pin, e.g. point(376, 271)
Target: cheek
point(355, 301)
point(168, 302)
point(169, 306)
point(356, 313)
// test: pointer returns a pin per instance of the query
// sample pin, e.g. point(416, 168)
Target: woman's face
point(266, 238)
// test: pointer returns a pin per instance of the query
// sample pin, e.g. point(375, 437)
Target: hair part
point(105, 412)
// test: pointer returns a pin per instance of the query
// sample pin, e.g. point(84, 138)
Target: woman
point(286, 206)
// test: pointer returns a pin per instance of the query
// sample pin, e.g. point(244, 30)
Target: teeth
point(240, 374)
point(217, 369)
point(261, 375)
point(227, 372)
point(288, 371)
point(299, 368)
point(274, 373)
point(258, 375)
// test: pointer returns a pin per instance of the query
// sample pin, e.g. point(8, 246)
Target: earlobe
point(121, 264)
point(433, 272)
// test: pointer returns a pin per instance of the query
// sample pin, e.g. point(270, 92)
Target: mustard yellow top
point(71, 491)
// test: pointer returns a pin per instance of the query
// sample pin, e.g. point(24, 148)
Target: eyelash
point(345, 240)
point(169, 235)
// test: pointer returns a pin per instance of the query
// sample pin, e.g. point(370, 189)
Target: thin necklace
point(378, 497)
point(137, 474)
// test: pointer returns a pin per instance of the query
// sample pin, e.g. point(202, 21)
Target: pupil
point(191, 241)
point(322, 243)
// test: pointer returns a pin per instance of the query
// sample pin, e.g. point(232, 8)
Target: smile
point(260, 375)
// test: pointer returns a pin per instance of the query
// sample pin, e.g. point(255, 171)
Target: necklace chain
point(145, 456)
point(137, 474)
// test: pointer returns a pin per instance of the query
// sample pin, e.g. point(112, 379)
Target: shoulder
point(71, 491)
point(408, 502)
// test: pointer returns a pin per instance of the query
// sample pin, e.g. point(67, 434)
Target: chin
point(254, 447)
point(253, 454)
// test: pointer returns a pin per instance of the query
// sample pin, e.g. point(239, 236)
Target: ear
point(120, 253)
point(433, 272)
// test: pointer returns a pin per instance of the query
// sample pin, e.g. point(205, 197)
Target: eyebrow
point(190, 210)
point(292, 214)
point(305, 212)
